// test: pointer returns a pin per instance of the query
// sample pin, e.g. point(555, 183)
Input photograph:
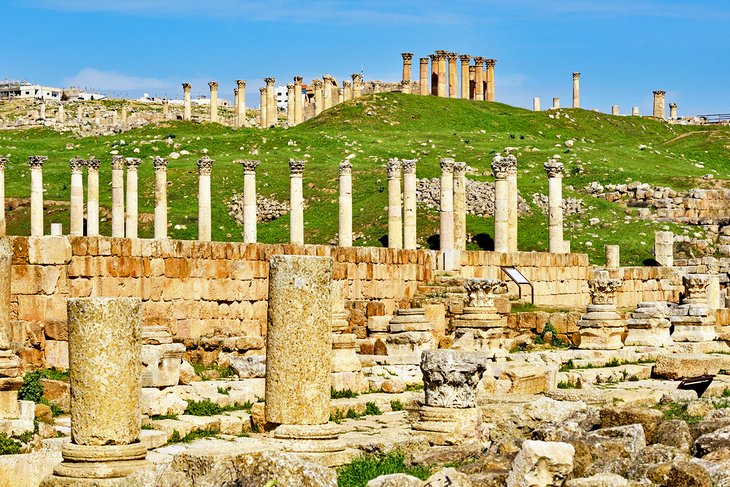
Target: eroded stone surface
point(450, 377)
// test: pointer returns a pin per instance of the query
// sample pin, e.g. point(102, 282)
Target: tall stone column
point(453, 86)
point(318, 98)
point(271, 108)
point(347, 89)
point(635, 111)
point(241, 109)
point(117, 196)
point(36, 194)
point(213, 101)
point(250, 214)
point(344, 234)
point(160, 165)
point(79, 114)
point(613, 256)
point(446, 205)
point(556, 103)
point(290, 104)
point(357, 85)
point(42, 111)
point(341, 93)
point(659, 110)
point(3, 224)
point(576, 90)
point(60, 114)
point(187, 104)
point(460, 205)
point(512, 212)
point(673, 111)
point(407, 61)
point(124, 116)
point(472, 82)
point(614, 110)
point(434, 74)
point(664, 248)
point(536, 104)
point(298, 351)
point(296, 202)
point(76, 224)
point(395, 216)
point(132, 217)
point(423, 75)
point(500, 170)
point(165, 109)
point(205, 167)
point(105, 349)
point(298, 107)
point(327, 91)
point(409, 204)
point(601, 328)
point(465, 58)
point(490, 79)
point(694, 319)
point(441, 55)
point(554, 169)
point(262, 108)
point(479, 78)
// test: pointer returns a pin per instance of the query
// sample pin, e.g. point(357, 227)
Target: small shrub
point(567, 385)
point(367, 467)
point(203, 408)
point(224, 390)
point(147, 427)
point(567, 366)
point(396, 405)
point(164, 416)
point(337, 416)
point(32, 387)
point(174, 437)
point(372, 409)
point(414, 387)
point(346, 394)
point(9, 446)
point(352, 414)
point(726, 393)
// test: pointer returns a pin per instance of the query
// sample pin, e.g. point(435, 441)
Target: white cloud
point(110, 80)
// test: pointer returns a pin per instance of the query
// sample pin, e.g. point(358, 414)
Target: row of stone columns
point(477, 81)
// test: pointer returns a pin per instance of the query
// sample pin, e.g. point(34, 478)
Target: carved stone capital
point(241, 83)
point(205, 166)
point(450, 377)
point(423, 60)
point(393, 168)
point(459, 169)
point(213, 85)
point(409, 166)
point(465, 58)
point(490, 62)
point(659, 93)
point(36, 162)
point(452, 57)
point(117, 163)
point(502, 167)
point(480, 293)
point(159, 163)
point(76, 164)
point(357, 78)
point(576, 75)
point(249, 165)
point(407, 57)
point(479, 61)
point(296, 168)
point(603, 289)
point(446, 164)
point(345, 167)
point(695, 287)
point(290, 86)
point(132, 163)
point(3, 162)
point(347, 84)
point(262, 90)
point(672, 105)
point(186, 86)
point(317, 83)
point(441, 54)
point(298, 80)
point(269, 81)
point(553, 168)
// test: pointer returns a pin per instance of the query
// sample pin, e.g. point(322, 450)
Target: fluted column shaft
point(271, 109)
point(409, 204)
point(442, 73)
point(3, 224)
point(250, 215)
point(465, 76)
point(407, 60)
point(318, 98)
point(479, 78)
point(344, 234)
point(501, 168)
point(132, 216)
point(659, 108)
point(36, 194)
point(298, 106)
point(76, 224)
point(262, 108)
point(536, 104)
point(296, 202)
point(576, 90)
point(490, 95)
point(290, 104)
point(460, 205)
point(160, 197)
point(187, 107)
point(240, 115)
point(117, 196)
point(554, 171)
point(446, 207)
point(512, 212)
point(423, 75)
point(395, 215)
point(205, 167)
point(453, 86)
point(327, 92)
point(213, 101)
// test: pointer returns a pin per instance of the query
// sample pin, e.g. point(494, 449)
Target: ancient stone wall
point(646, 284)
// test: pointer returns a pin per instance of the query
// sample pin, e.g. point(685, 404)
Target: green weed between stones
point(365, 468)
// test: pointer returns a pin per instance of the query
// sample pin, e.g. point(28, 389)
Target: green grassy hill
point(388, 125)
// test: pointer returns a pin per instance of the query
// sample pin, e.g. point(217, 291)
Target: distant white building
point(23, 89)
point(282, 98)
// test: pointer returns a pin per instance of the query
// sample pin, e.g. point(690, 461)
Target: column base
point(314, 443)
point(648, 337)
point(695, 332)
point(604, 337)
point(448, 426)
point(108, 465)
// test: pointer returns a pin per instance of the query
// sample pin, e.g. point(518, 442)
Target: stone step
point(623, 373)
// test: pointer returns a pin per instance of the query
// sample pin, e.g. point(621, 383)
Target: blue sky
point(624, 48)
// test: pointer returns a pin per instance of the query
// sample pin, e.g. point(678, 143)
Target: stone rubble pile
point(479, 197)
point(267, 208)
point(571, 206)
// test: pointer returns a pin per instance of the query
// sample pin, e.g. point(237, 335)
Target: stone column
point(554, 169)
point(659, 110)
point(441, 55)
point(298, 108)
point(453, 86)
point(298, 351)
point(460, 205)
point(601, 327)
point(187, 106)
point(60, 114)
point(692, 320)
point(434, 74)
point(576, 90)
point(262, 108)
point(296, 202)
point(478, 78)
point(613, 256)
point(347, 88)
point(104, 339)
point(36, 194)
point(614, 110)
point(205, 167)
point(713, 288)
point(512, 201)
point(635, 111)
point(472, 82)
point(117, 196)
point(271, 108)
point(165, 109)
point(344, 234)
point(357, 85)
point(490, 79)
point(480, 327)
point(92, 196)
point(407, 61)
point(395, 216)
point(500, 170)
point(213, 101)
point(240, 115)
point(42, 111)
point(446, 205)
point(536, 104)
point(290, 104)
point(132, 217)
point(405, 87)
point(9, 362)
point(409, 204)
point(556, 103)
point(160, 165)
point(79, 114)
point(341, 93)
point(649, 326)
point(327, 91)
point(318, 98)
point(124, 116)
point(465, 58)
point(673, 111)
point(250, 214)
point(3, 224)
point(664, 248)
point(76, 225)
point(423, 75)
